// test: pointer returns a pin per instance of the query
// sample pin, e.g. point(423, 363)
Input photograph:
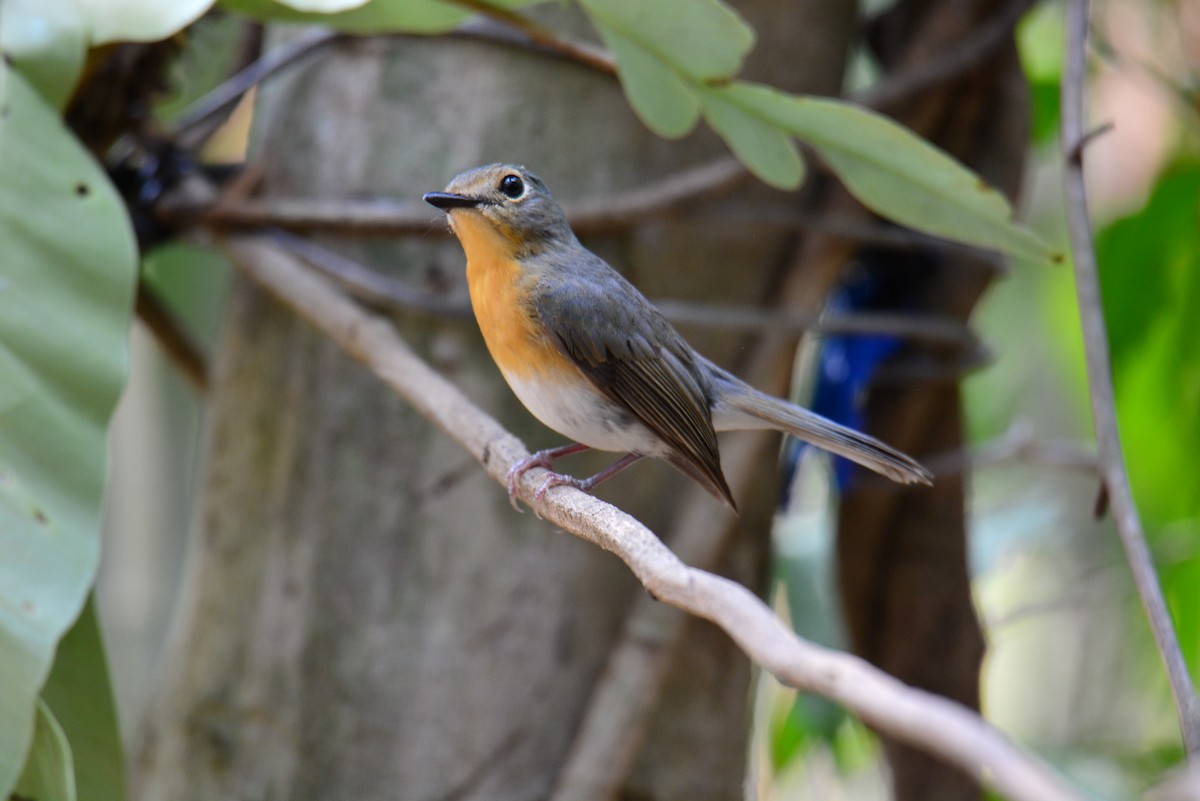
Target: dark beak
point(448, 200)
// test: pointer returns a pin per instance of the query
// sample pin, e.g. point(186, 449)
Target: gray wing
point(633, 355)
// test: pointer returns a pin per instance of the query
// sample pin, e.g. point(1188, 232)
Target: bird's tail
point(739, 406)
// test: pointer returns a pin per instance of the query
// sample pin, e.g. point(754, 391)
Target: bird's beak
point(448, 200)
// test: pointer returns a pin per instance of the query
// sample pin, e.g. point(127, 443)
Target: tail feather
point(738, 406)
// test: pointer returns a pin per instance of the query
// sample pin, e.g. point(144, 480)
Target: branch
point(1095, 338)
point(385, 292)
point(1018, 443)
point(586, 54)
point(921, 719)
point(413, 218)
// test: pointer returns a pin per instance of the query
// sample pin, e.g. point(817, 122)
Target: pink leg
point(543, 458)
point(586, 484)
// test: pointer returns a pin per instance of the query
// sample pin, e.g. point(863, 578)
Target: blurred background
point(1070, 667)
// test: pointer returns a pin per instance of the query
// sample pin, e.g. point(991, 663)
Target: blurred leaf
point(702, 39)
point(1150, 282)
point(767, 151)
point(377, 16)
point(48, 774)
point(662, 99)
point(804, 565)
point(1046, 100)
point(1040, 41)
point(664, 50)
point(894, 172)
point(323, 6)
point(65, 309)
point(854, 746)
point(81, 697)
point(211, 53)
point(137, 20)
point(1040, 45)
point(193, 281)
point(380, 16)
point(47, 42)
point(1142, 255)
point(1180, 580)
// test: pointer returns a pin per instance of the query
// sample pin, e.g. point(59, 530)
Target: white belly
point(584, 415)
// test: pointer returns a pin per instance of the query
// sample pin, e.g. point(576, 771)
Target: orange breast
point(495, 279)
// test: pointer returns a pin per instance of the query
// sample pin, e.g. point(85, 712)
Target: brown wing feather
point(634, 356)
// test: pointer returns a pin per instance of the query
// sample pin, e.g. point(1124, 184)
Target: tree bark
point(363, 615)
point(903, 553)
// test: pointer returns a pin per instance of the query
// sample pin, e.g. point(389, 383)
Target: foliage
point(65, 300)
point(1150, 281)
point(65, 308)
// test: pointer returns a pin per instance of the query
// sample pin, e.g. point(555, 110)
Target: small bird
point(594, 360)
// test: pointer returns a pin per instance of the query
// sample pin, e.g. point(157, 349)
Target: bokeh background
point(1071, 668)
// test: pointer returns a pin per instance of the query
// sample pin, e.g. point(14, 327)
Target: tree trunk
point(902, 552)
point(364, 616)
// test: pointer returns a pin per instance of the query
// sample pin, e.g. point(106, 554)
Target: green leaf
point(47, 41)
point(766, 150)
point(665, 50)
point(81, 697)
point(1150, 284)
point(66, 289)
point(323, 6)
point(48, 774)
point(662, 99)
point(379, 16)
point(137, 20)
point(703, 39)
point(894, 172)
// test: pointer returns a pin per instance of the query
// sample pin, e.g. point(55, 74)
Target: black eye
point(512, 186)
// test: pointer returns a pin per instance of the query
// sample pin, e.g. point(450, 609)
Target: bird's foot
point(585, 484)
point(543, 458)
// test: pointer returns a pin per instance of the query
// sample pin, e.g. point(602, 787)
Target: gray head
point(504, 200)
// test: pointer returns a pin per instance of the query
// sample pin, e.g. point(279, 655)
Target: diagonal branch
point(921, 719)
point(1104, 415)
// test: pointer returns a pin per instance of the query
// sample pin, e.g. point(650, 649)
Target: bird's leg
point(586, 484)
point(543, 458)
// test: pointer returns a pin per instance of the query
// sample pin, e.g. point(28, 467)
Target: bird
point(593, 359)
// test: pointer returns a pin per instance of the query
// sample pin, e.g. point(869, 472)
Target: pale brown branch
point(1096, 350)
point(926, 721)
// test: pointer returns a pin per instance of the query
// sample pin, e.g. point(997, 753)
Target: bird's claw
point(539, 459)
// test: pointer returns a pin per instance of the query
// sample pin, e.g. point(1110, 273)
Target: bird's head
point(505, 206)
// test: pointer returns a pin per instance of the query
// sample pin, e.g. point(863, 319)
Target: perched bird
point(594, 360)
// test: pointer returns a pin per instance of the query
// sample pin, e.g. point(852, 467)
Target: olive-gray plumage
point(629, 381)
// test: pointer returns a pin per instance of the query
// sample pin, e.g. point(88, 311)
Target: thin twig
point(923, 720)
point(584, 53)
point(385, 292)
point(384, 217)
point(369, 286)
point(1018, 443)
point(1095, 338)
point(171, 337)
point(971, 51)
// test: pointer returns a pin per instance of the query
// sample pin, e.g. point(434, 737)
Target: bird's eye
point(512, 186)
